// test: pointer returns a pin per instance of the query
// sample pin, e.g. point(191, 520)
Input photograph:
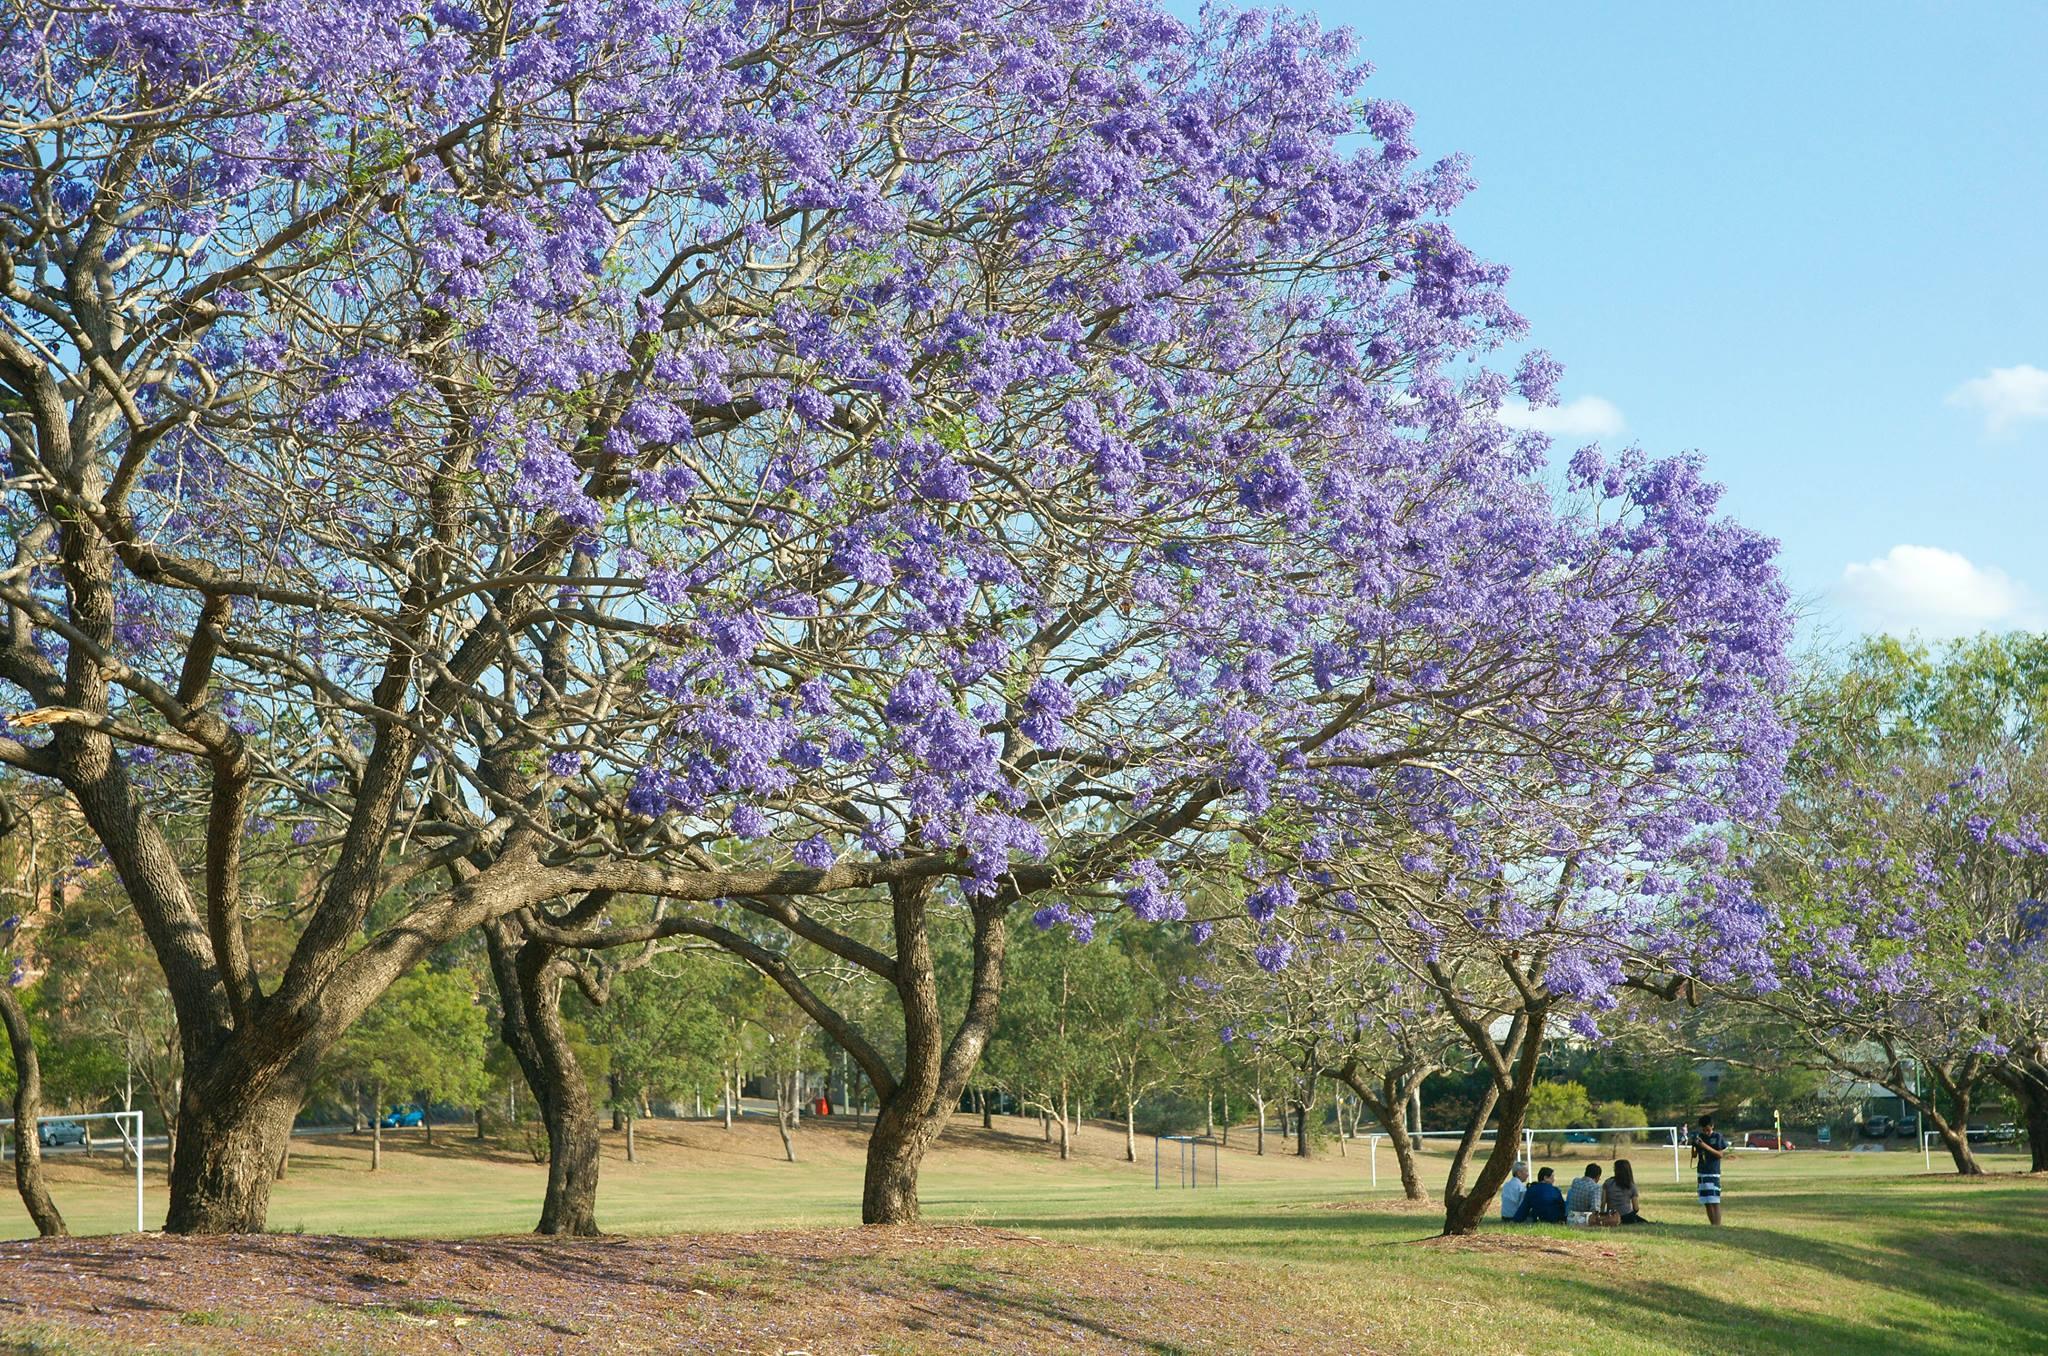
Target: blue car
point(404, 1116)
point(50, 1134)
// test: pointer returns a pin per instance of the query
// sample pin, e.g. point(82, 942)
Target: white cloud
point(2008, 396)
point(1587, 417)
point(1935, 592)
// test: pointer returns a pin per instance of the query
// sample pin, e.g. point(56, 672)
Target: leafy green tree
point(1609, 1114)
point(787, 1051)
point(659, 1027)
point(425, 1036)
point(1554, 1106)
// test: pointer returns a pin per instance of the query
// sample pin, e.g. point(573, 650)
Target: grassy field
point(1861, 1253)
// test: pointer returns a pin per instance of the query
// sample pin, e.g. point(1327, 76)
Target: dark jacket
point(1544, 1204)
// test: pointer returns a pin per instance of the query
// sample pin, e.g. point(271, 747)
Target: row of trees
point(826, 484)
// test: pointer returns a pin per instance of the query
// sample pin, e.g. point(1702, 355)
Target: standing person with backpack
point(1708, 1146)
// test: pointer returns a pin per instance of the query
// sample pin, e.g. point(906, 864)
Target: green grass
point(1822, 1254)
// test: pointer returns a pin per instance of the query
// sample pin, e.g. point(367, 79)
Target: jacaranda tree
point(964, 456)
point(1908, 876)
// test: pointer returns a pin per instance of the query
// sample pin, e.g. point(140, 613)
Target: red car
point(1764, 1139)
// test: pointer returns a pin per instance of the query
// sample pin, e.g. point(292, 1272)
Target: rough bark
point(1506, 1103)
point(28, 1104)
point(1388, 1101)
point(229, 1144)
point(2026, 1076)
point(914, 1108)
point(530, 995)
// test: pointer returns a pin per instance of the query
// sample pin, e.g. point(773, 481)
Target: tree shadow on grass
point(1968, 1269)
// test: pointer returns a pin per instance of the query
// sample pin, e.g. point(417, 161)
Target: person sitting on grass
point(1543, 1203)
point(1622, 1197)
point(1512, 1191)
point(1584, 1197)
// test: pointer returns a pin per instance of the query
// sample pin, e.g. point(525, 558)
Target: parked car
point(2006, 1133)
point(1766, 1139)
point(1877, 1127)
point(1977, 1133)
point(402, 1117)
point(1581, 1137)
point(50, 1134)
point(1908, 1126)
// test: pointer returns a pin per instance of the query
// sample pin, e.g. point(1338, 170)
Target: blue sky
point(1809, 241)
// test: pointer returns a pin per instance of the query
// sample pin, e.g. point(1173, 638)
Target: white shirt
point(1511, 1193)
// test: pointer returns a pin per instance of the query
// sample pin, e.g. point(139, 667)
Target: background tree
point(27, 1090)
point(659, 1027)
point(1555, 1106)
point(425, 1037)
point(752, 456)
point(788, 1052)
point(1907, 870)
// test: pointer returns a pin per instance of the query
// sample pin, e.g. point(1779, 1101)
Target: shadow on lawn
point(969, 1288)
point(1970, 1266)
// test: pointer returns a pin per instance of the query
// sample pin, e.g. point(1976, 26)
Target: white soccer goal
point(1528, 1155)
point(1670, 1131)
point(1373, 1138)
point(127, 1125)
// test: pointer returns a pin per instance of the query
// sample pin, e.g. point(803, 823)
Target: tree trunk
point(228, 1148)
point(1389, 1104)
point(1404, 1158)
point(28, 1104)
point(988, 1109)
point(1209, 1113)
point(631, 1155)
point(479, 1120)
point(2025, 1073)
point(1507, 1105)
point(427, 1120)
point(1130, 1129)
point(896, 1150)
point(611, 1084)
point(1259, 1105)
point(284, 1155)
point(530, 994)
point(377, 1130)
point(1301, 1149)
point(1066, 1135)
point(785, 1113)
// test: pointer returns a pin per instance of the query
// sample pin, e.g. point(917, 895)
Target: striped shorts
point(1710, 1190)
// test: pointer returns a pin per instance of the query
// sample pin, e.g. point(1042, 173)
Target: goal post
point(1188, 1152)
point(1669, 1132)
point(1528, 1154)
point(1374, 1137)
point(127, 1125)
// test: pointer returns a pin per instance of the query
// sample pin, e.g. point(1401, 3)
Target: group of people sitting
point(1589, 1201)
